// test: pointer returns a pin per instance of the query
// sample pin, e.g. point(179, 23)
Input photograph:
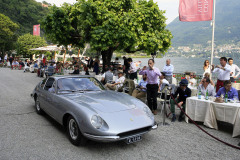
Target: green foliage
point(27, 42)
point(7, 33)
point(109, 25)
point(25, 13)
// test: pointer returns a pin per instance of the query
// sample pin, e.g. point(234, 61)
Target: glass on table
point(212, 98)
point(235, 99)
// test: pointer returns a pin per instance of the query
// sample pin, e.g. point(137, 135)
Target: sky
point(171, 6)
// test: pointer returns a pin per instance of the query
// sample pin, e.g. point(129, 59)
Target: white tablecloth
point(209, 112)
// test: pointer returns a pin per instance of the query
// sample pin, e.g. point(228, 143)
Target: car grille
point(133, 132)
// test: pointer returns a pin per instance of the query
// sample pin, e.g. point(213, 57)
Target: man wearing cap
point(117, 84)
point(223, 72)
point(183, 92)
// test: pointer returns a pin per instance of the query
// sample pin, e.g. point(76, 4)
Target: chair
point(170, 88)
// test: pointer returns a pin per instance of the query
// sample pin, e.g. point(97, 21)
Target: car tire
point(37, 106)
point(74, 134)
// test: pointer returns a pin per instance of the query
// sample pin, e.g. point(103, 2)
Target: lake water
point(181, 64)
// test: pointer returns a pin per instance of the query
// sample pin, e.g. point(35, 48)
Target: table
point(236, 86)
point(209, 112)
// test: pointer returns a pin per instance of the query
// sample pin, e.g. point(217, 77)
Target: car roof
point(56, 77)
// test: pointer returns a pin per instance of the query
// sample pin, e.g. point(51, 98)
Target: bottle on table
point(207, 97)
point(199, 93)
point(226, 98)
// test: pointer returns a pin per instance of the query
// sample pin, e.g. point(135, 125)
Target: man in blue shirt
point(231, 92)
point(168, 70)
point(141, 89)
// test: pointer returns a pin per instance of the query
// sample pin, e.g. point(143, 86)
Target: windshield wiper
point(68, 90)
point(83, 90)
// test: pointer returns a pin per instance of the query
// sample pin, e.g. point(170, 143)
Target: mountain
point(25, 13)
point(227, 28)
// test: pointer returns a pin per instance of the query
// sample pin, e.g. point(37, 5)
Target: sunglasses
point(191, 75)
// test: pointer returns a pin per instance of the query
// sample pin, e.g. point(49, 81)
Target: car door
point(41, 93)
point(46, 94)
point(54, 103)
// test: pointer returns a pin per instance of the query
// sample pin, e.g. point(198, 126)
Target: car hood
point(104, 101)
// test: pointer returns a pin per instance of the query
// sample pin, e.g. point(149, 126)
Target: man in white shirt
point(223, 71)
point(206, 86)
point(234, 68)
point(168, 70)
point(117, 84)
point(15, 64)
point(132, 70)
point(163, 81)
point(192, 81)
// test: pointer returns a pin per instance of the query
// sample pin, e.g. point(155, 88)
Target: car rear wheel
point(37, 106)
point(74, 134)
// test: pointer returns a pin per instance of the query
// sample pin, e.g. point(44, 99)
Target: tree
point(27, 42)
point(7, 34)
point(109, 25)
point(25, 13)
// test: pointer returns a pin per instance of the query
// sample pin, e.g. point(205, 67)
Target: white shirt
point(192, 86)
point(235, 68)
point(223, 74)
point(168, 69)
point(15, 63)
point(210, 89)
point(208, 70)
point(121, 81)
point(133, 67)
point(164, 81)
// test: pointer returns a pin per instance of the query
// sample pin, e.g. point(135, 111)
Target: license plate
point(133, 139)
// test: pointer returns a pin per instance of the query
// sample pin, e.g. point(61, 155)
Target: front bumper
point(116, 138)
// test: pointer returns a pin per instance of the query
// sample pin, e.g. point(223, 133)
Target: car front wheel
point(74, 134)
point(37, 106)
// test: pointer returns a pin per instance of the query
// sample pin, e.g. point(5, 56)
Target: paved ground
point(26, 135)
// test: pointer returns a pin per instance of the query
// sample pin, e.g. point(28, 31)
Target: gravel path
point(26, 135)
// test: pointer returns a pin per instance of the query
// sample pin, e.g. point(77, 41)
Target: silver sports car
point(88, 111)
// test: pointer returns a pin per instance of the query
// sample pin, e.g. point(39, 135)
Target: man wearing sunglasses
point(206, 86)
point(192, 81)
point(183, 92)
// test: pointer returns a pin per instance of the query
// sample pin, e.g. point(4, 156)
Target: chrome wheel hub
point(73, 129)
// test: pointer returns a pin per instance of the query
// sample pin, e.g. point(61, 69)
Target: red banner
point(195, 10)
point(36, 30)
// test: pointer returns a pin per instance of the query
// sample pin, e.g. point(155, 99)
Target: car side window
point(43, 82)
point(49, 83)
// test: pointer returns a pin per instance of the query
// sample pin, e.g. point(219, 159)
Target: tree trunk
point(107, 56)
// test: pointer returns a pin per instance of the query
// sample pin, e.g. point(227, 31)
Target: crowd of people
point(152, 82)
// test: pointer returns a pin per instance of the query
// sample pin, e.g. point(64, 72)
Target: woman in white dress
point(206, 67)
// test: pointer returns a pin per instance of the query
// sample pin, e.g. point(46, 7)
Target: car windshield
point(77, 84)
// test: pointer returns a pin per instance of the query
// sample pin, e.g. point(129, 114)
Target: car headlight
point(148, 112)
point(97, 121)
